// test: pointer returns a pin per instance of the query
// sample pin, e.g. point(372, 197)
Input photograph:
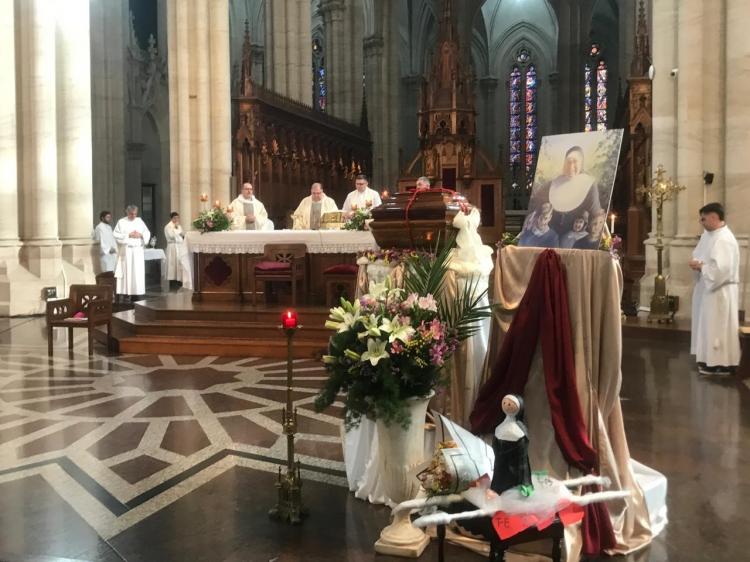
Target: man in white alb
point(312, 208)
point(132, 235)
point(178, 262)
point(715, 340)
point(107, 243)
point(361, 198)
point(247, 212)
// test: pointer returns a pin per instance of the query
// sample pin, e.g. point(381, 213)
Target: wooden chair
point(282, 262)
point(93, 301)
point(341, 281)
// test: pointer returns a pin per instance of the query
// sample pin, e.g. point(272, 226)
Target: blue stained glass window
point(515, 115)
point(588, 99)
point(319, 86)
point(531, 122)
point(595, 103)
point(601, 96)
point(523, 131)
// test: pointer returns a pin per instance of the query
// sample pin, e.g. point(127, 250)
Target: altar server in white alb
point(716, 262)
point(361, 198)
point(178, 261)
point(247, 212)
point(107, 243)
point(132, 235)
point(312, 208)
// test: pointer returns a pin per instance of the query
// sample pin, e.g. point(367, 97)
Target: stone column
point(737, 116)
point(344, 38)
point(382, 81)
point(8, 153)
point(664, 131)
point(74, 159)
point(221, 106)
point(289, 49)
point(199, 103)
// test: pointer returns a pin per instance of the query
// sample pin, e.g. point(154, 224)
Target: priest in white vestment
point(312, 208)
point(247, 212)
point(715, 324)
point(361, 198)
point(132, 235)
point(178, 260)
point(107, 243)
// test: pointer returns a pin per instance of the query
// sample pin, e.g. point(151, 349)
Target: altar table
point(224, 262)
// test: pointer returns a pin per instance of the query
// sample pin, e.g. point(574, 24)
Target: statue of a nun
point(511, 446)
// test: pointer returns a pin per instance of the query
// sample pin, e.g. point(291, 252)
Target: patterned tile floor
point(118, 438)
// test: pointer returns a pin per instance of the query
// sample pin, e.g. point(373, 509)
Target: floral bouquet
point(357, 220)
point(392, 256)
point(509, 239)
point(392, 344)
point(611, 244)
point(212, 220)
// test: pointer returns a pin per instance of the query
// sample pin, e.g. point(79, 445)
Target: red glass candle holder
point(289, 320)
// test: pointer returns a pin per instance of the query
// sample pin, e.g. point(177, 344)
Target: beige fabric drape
point(594, 291)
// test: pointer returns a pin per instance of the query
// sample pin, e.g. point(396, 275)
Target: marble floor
point(169, 458)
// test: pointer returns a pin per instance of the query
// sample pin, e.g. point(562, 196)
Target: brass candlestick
point(663, 307)
point(289, 506)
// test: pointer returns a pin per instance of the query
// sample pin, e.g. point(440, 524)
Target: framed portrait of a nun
point(570, 197)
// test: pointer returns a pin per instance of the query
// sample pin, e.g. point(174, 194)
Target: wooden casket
point(415, 219)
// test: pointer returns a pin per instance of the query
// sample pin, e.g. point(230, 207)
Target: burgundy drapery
point(543, 312)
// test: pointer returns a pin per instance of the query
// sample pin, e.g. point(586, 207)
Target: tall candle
point(612, 223)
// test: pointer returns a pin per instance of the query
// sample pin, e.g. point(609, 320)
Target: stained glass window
point(514, 112)
point(523, 133)
point(320, 87)
point(595, 91)
point(588, 99)
point(601, 96)
point(531, 122)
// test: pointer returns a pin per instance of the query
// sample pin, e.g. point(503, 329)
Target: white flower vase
point(400, 450)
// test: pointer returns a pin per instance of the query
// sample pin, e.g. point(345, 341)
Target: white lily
point(397, 330)
point(370, 324)
point(341, 318)
point(378, 289)
point(375, 351)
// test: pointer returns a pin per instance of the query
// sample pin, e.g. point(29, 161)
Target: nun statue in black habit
point(511, 446)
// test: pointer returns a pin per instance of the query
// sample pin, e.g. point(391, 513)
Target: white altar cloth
point(253, 241)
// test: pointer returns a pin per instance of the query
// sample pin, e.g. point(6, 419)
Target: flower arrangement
point(357, 220)
point(509, 239)
point(212, 220)
point(394, 255)
point(611, 244)
point(392, 344)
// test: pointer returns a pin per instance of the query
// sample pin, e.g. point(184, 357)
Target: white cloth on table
point(253, 242)
point(361, 199)
point(715, 322)
point(302, 214)
point(238, 213)
point(178, 260)
point(107, 246)
point(130, 271)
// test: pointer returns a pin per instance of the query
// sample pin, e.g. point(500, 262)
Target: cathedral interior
point(161, 454)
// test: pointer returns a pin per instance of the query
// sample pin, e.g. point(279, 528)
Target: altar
point(224, 262)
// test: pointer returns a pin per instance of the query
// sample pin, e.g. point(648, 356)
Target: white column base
point(401, 538)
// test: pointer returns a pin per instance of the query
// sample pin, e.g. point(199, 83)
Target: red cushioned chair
point(341, 281)
point(285, 263)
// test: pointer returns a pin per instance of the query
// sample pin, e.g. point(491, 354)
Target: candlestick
point(204, 197)
point(289, 486)
point(385, 194)
point(217, 204)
